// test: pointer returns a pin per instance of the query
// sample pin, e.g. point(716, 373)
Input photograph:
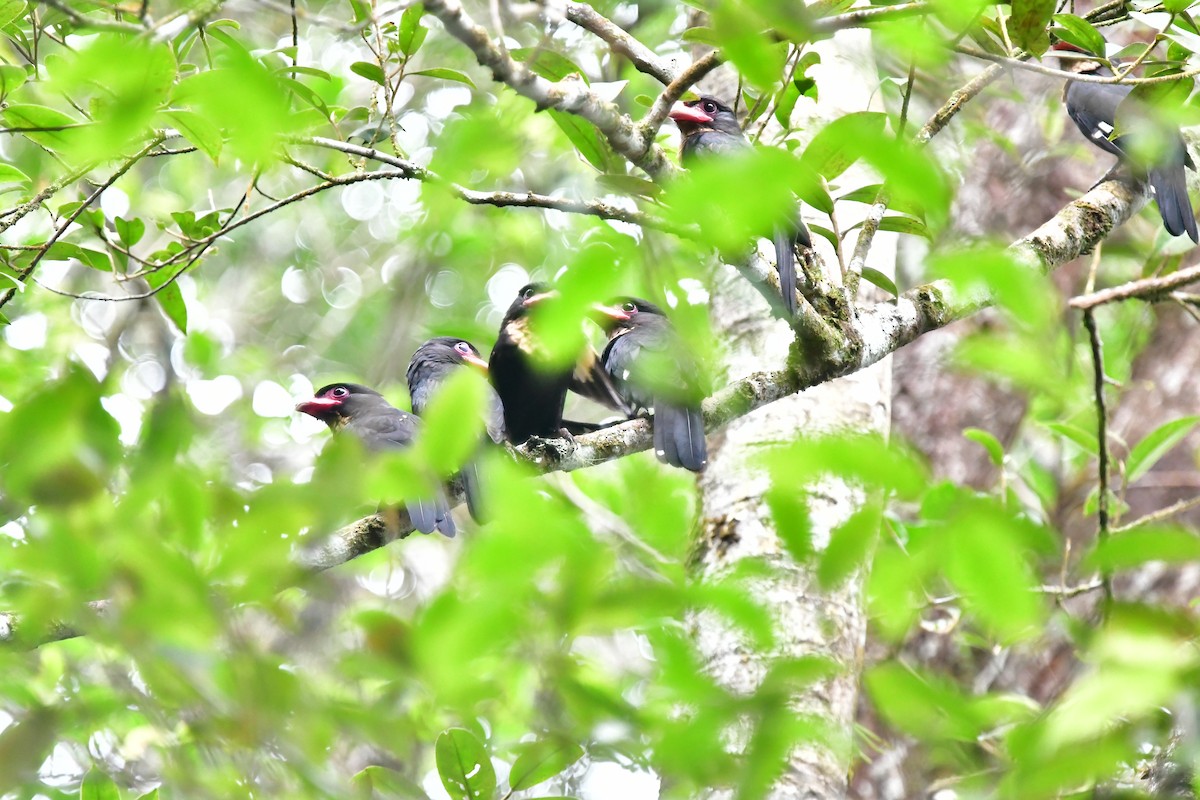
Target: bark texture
point(737, 524)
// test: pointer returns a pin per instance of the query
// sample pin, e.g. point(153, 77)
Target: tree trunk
point(737, 523)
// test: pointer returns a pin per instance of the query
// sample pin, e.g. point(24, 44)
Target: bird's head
point(531, 294)
point(337, 402)
point(623, 313)
point(449, 350)
point(705, 113)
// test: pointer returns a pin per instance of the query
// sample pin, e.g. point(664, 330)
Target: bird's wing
point(591, 381)
point(1093, 109)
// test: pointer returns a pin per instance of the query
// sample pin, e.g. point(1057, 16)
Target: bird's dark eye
point(527, 293)
point(340, 391)
point(629, 308)
point(463, 348)
point(710, 107)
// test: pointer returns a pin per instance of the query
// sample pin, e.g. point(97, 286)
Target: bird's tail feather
point(785, 262)
point(424, 515)
point(473, 489)
point(679, 437)
point(1174, 205)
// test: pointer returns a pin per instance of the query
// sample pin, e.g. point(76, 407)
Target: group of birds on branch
point(644, 368)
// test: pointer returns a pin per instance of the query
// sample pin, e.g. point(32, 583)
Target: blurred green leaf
point(25, 745)
point(842, 142)
point(850, 545)
point(1153, 543)
point(454, 421)
point(98, 786)
point(11, 77)
point(988, 442)
point(1156, 444)
point(1027, 25)
point(199, 131)
point(541, 760)
point(792, 523)
point(464, 765)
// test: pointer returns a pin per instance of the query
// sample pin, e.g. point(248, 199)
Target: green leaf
point(541, 760)
point(25, 745)
point(590, 143)
point(1136, 547)
point(1085, 440)
point(51, 128)
point(412, 33)
point(898, 224)
point(872, 275)
point(987, 559)
point(11, 77)
point(10, 10)
point(130, 230)
point(989, 442)
point(842, 142)
point(98, 786)
point(850, 545)
point(454, 421)
point(10, 174)
point(792, 523)
point(1146, 453)
point(1079, 32)
point(629, 184)
point(1177, 6)
point(1027, 25)
point(198, 130)
point(464, 766)
point(548, 63)
point(370, 71)
point(445, 74)
point(302, 70)
point(169, 297)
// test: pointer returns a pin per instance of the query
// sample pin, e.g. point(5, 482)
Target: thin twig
point(1159, 516)
point(1073, 76)
point(24, 274)
point(1147, 288)
point(1089, 322)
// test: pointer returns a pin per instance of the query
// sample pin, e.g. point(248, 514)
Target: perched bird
point(532, 391)
point(379, 426)
point(710, 127)
point(1100, 109)
point(431, 365)
point(652, 369)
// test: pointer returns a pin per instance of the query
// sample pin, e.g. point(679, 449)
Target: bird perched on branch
point(532, 390)
point(1113, 121)
point(431, 365)
point(652, 369)
point(709, 128)
point(379, 426)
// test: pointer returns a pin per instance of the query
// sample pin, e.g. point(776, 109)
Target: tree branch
point(1146, 289)
point(873, 335)
point(569, 95)
point(661, 69)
